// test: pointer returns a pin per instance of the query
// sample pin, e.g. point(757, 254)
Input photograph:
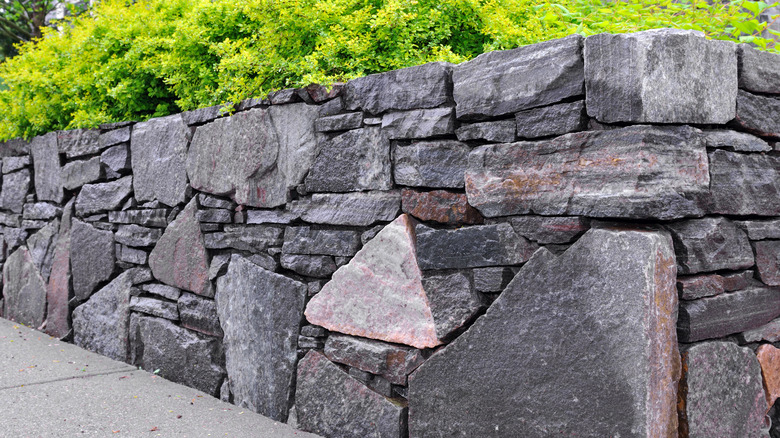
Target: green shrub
point(128, 60)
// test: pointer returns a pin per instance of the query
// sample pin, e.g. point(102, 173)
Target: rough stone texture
point(179, 258)
point(24, 290)
point(419, 123)
point(41, 211)
point(254, 156)
point(158, 154)
point(113, 137)
point(116, 158)
point(209, 201)
point(710, 404)
point(12, 164)
point(635, 172)
point(260, 313)
point(528, 376)
point(439, 206)
point(41, 246)
point(392, 362)
point(150, 218)
point(769, 332)
point(91, 258)
point(330, 402)
point(769, 359)
point(437, 164)
point(58, 290)
point(180, 355)
point(309, 265)
point(163, 290)
point(660, 76)
point(759, 71)
point(707, 285)
point(550, 120)
point(131, 255)
point(155, 307)
point(215, 215)
point(96, 198)
point(254, 238)
point(504, 82)
point(453, 302)
point(201, 115)
point(135, 235)
point(422, 86)
point(501, 131)
point(726, 314)
point(491, 280)
point(755, 114)
point(46, 163)
point(14, 146)
point(339, 122)
point(710, 244)
point(355, 209)
point(471, 247)
point(744, 184)
point(11, 220)
point(547, 229)
point(101, 324)
point(761, 229)
point(14, 192)
point(78, 142)
point(199, 314)
point(305, 240)
point(379, 294)
point(77, 173)
point(354, 161)
point(738, 141)
point(768, 261)
point(14, 237)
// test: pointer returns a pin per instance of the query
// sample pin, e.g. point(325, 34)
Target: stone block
point(77, 173)
point(215, 215)
point(769, 332)
point(660, 76)
point(552, 120)
point(737, 141)
point(436, 164)
point(41, 211)
point(155, 307)
point(114, 137)
point(710, 244)
point(24, 290)
point(41, 246)
point(515, 373)
point(420, 123)
point(78, 142)
point(91, 258)
point(354, 209)
point(550, 229)
point(330, 402)
point(305, 240)
point(158, 153)
point(453, 301)
point(755, 114)
point(501, 131)
point(354, 161)
point(309, 265)
point(12, 164)
point(201, 115)
point(14, 146)
point(163, 290)
point(131, 255)
point(46, 164)
point(209, 201)
point(761, 229)
point(199, 314)
point(768, 261)
point(260, 313)
point(150, 218)
point(744, 184)
point(439, 206)
point(726, 314)
point(769, 359)
point(491, 280)
point(759, 71)
point(339, 122)
point(709, 404)
point(421, 86)
point(116, 158)
point(59, 290)
point(253, 238)
point(14, 192)
point(136, 235)
point(707, 285)
point(505, 82)
point(632, 172)
point(471, 247)
point(96, 198)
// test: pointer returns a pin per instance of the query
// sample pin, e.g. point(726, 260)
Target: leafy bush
point(129, 60)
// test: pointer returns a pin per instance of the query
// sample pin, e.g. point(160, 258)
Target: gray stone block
point(339, 122)
point(24, 290)
point(420, 123)
point(744, 184)
point(355, 209)
point(78, 142)
point(77, 173)
point(491, 280)
point(761, 229)
point(91, 258)
point(199, 314)
point(14, 192)
point(114, 137)
point(738, 141)
point(552, 120)
point(759, 71)
point(317, 266)
point(155, 307)
point(215, 215)
point(505, 82)
point(96, 198)
point(453, 302)
point(46, 164)
point(436, 164)
point(201, 115)
point(41, 246)
point(755, 114)
point(501, 131)
point(271, 216)
point(12, 164)
point(660, 76)
point(151, 218)
point(163, 290)
point(253, 238)
point(41, 211)
point(550, 229)
point(305, 240)
point(768, 261)
point(710, 244)
point(116, 158)
point(131, 255)
point(158, 153)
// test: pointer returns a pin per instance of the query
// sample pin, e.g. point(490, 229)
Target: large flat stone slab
point(601, 315)
point(179, 258)
point(254, 156)
point(330, 402)
point(355, 209)
point(158, 150)
point(633, 172)
point(504, 82)
point(91, 258)
point(24, 290)
point(721, 392)
point(260, 313)
point(660, 76)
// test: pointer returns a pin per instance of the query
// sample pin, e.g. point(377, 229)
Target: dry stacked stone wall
point(575, 238)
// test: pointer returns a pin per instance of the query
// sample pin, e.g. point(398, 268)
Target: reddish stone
point(179, 259)
point(699, 286)
point(769, 358)
point(439, 206)
point(768, 261)
point(58, 289)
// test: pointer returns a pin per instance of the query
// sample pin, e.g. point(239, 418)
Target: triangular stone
point(379, 294)
point(58, 291)
point(24, 289)
point(179, 259)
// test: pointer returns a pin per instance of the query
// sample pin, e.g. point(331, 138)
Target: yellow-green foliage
point(128, 60)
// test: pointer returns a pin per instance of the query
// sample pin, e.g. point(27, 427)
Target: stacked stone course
point(579, 237)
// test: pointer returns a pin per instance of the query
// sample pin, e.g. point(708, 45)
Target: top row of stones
point(657, 76)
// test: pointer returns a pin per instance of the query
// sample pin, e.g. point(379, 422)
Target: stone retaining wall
point(579, 237)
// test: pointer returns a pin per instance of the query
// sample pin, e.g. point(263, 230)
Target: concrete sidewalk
point(50, 388)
